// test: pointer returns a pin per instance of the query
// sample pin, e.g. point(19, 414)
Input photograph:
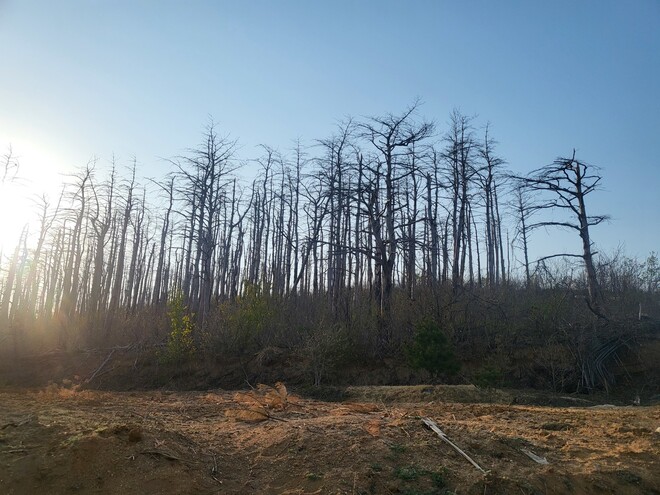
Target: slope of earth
point(60, 440)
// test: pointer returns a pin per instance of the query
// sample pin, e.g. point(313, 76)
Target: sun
point(27, 173)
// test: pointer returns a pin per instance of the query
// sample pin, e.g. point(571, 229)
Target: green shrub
point(408, 473)
point(488, 376)
point(180, 343)
point(250, 319)
point(432, 351)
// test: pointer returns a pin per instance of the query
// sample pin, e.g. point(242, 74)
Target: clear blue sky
point(140, 78)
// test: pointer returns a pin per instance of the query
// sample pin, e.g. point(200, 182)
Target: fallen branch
point(534, 457)
point(100, 367)
point(433, 426)
point(162, 453)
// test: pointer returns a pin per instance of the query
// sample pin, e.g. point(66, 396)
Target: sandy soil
point(65, 440)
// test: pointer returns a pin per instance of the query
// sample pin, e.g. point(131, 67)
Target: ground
point(62, 439)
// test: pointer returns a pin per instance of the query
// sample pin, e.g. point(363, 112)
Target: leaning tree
point(564, 185)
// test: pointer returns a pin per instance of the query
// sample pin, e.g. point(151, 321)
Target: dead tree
point(565, 185)
point(8, 166)
point(316, 208)
point(12, 283)
point(293, 244)
point(522, 207)
point(137, 245)
point(260, 218)
point(432, 235)
point(334, 170)
point(458, 154)
point(206, 177)
point(158, 289)
point(488, 175)
point(121, 245)
point(101, 220)
point(70, 285)
point(392, 138)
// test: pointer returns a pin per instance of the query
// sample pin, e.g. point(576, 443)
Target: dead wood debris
point(161, 453)
point(98, 370)
point(433, 426)
point(534, 457)
point(258, 404)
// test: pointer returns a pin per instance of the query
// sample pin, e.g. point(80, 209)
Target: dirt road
point(62, 440)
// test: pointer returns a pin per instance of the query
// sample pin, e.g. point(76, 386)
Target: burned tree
point(393, 138)
point(206, 177)
point(523, 209)
point(101, 220)
point(567, 182)
point(488, 176)
point(459, 155)
point(160, 288)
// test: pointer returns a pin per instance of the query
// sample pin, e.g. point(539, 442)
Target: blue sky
point(140, 78)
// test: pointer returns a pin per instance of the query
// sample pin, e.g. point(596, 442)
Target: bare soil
point(61, 439)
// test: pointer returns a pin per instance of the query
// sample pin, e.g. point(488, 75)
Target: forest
point(394, 251)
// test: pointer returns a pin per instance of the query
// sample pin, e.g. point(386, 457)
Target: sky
point(140, 79)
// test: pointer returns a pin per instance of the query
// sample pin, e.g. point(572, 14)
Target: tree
point(568, 182)
point(523, 208)
point(160, 292)
point(101, 220)
point(206, 176)
point(431, 350)
point(8, 166)
point(459, 155)
point(393, 138)
point(488, 178)
point(651, 274)
point(121, 243)
point(70, 285)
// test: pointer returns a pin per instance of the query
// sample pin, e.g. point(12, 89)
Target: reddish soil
point(64, 440)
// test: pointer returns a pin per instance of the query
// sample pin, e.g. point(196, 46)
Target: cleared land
point(64, 440)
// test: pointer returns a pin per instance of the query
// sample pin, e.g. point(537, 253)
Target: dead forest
point(394, 240)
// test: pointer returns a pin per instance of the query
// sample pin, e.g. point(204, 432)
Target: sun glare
point(38, 173)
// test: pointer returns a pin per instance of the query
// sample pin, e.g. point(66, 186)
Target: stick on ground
point(431, 424)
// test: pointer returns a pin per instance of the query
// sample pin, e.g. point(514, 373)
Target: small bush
point(408, 473)
point(432, 351)
point(180, 343)
point(326, 348)
point(250, 319)
point(488, 376)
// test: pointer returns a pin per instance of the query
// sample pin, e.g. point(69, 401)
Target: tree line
point(388, 205)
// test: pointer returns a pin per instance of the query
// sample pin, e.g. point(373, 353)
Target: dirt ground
point(64, 440)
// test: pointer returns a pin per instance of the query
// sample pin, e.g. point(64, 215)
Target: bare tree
point(157, 295)
point(392, 137)
point(458, 154)
point(121, 243)
point(206, 177)
point(101, 219)
point(568, 182)
point(70, 285)
point(35, 276)
point(488, 176)
point(522, 206)
point(8, 166)
point(334, 171)
point(11, 291)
